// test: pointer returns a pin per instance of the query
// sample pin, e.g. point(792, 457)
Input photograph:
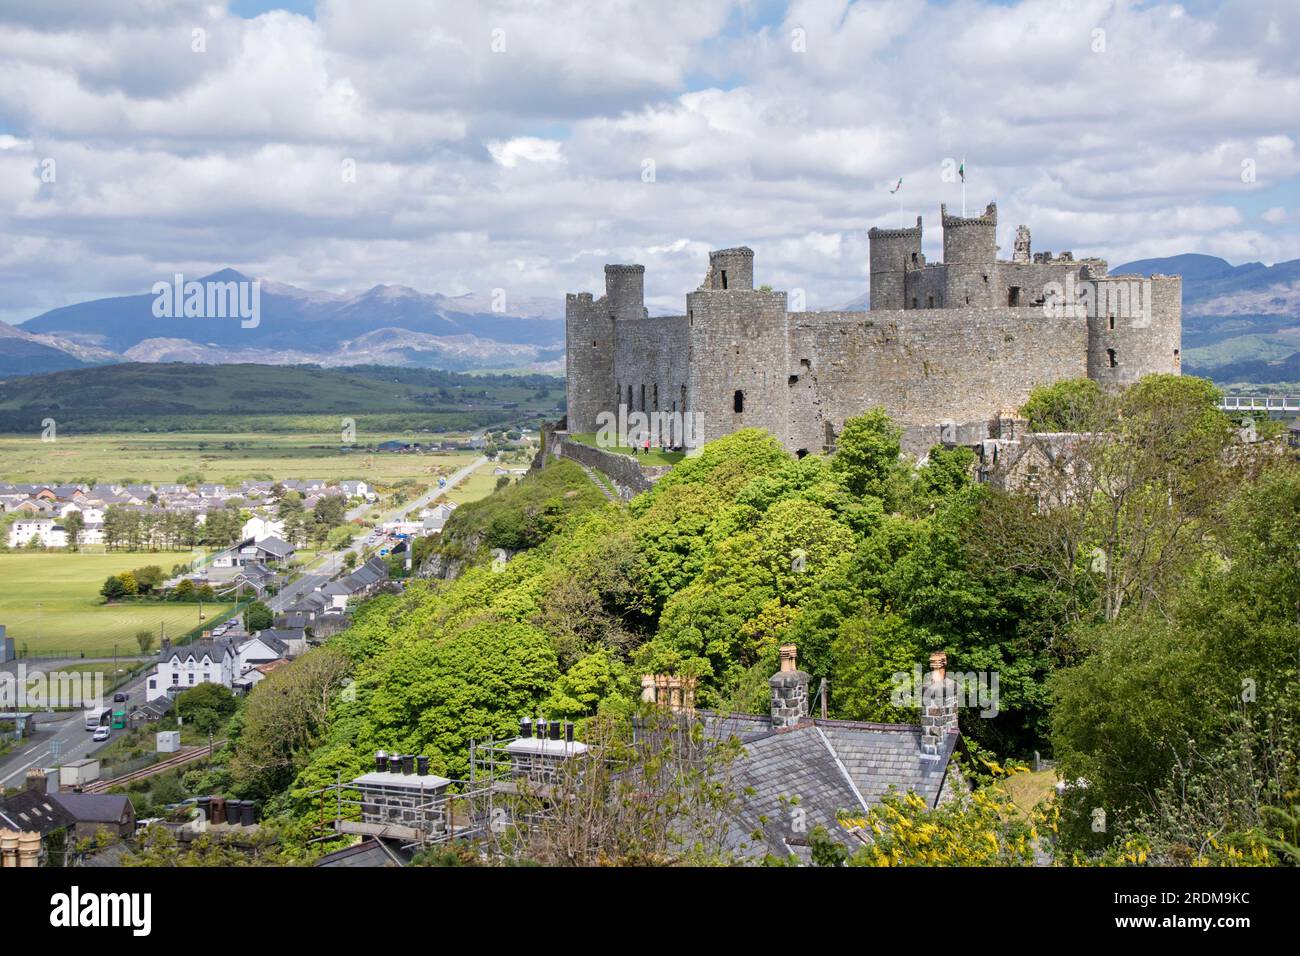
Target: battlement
point(962, 340)
point(989, 218)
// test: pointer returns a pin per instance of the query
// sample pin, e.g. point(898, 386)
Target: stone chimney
point(938, 707)
point(166, 644)
point(36, 780)
point(789, 691)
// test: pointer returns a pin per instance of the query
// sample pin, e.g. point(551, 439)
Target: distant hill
point(174, 396)
point(391, 325)
point(22, 353)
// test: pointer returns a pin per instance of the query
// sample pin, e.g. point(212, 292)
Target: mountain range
point(1241, 324)
point(384, 325)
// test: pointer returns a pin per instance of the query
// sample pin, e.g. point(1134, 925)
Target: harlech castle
point(946, 348)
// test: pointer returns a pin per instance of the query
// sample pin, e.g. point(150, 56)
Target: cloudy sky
point(466, 145)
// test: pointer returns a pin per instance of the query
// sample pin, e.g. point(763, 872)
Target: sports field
point(50, 603)
point(215, 457)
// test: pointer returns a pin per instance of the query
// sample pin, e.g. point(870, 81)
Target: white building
point(259, 529)
point(202, 662)
point(50, 535)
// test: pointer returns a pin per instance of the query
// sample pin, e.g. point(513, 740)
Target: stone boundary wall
point(630, 478)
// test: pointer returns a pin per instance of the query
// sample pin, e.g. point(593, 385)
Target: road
point(328, 566)
point(68, 736)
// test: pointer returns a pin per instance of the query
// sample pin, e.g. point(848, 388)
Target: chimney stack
point(789, 691)
point(36, 780)
point(938, 707)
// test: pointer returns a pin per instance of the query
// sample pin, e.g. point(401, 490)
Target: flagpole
point(963, 187)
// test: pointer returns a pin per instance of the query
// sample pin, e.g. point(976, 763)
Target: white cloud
point(522, 167)
point(525, 149)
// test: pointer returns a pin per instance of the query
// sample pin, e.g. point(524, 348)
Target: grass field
point(655, 457)
point(50, 603)
point(478, 485)
point(217, 456)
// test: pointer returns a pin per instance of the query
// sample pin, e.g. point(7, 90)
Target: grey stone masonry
point(938, 707)
point(789, 698)
point(952, 343)
point(789, 691)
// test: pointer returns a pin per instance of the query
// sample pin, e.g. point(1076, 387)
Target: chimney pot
point(395, 764)
point(789, 657)
point(525, 727)
point(541, 728)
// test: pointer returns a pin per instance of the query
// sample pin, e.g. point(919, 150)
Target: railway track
point(179, 759)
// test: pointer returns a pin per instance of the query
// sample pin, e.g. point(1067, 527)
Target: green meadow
point(50, 603)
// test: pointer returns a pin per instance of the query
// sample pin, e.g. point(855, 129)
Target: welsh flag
point(898, 186)
point(961, 170)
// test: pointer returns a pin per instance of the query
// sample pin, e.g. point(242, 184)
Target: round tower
point(625, 291)
point(970, 252)
point(893, 253)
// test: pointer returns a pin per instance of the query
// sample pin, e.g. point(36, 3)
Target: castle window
point(794, 380)
point(914, 302)
point(1112, 358)
point(629, 398)
point(593, 344)
point(801, 453)
point(683, 398)
point(643, 396)
point(929, 302)
point(724, 278)
point(1013, 295)
point(738, 401)
point(656, 394)
point(914, 259)
point(1177, 358)
point(1112, 323)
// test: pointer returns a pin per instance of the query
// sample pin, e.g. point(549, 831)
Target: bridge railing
point(1261, 403)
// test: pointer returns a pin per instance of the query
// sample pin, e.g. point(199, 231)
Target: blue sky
point(464, 147)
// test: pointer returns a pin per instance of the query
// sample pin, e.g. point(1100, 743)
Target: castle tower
point(970, 251)
point(893, 253)
point(730, 269)
point(589, 331)
point(1134, 326)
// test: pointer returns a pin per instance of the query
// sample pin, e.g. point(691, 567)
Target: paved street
point(59, 737)
point(328, 566)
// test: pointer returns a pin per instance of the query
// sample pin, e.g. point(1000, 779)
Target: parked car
point(119, 698)
point(102, 733)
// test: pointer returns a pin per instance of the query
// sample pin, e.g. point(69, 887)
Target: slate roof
point(215, 648)
point(95, 807)
point(275, 546)
point(34, 811)
point(825, 768)
point(368, 852)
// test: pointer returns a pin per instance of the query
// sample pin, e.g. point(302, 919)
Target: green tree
point(258, 617)
point(74, 523)
point(867, 454)
point(112, 589)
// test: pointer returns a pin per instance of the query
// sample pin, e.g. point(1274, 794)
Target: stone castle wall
point(737, 359)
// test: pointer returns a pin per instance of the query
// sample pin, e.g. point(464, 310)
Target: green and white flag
point(898, 186)
point(961, 170)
